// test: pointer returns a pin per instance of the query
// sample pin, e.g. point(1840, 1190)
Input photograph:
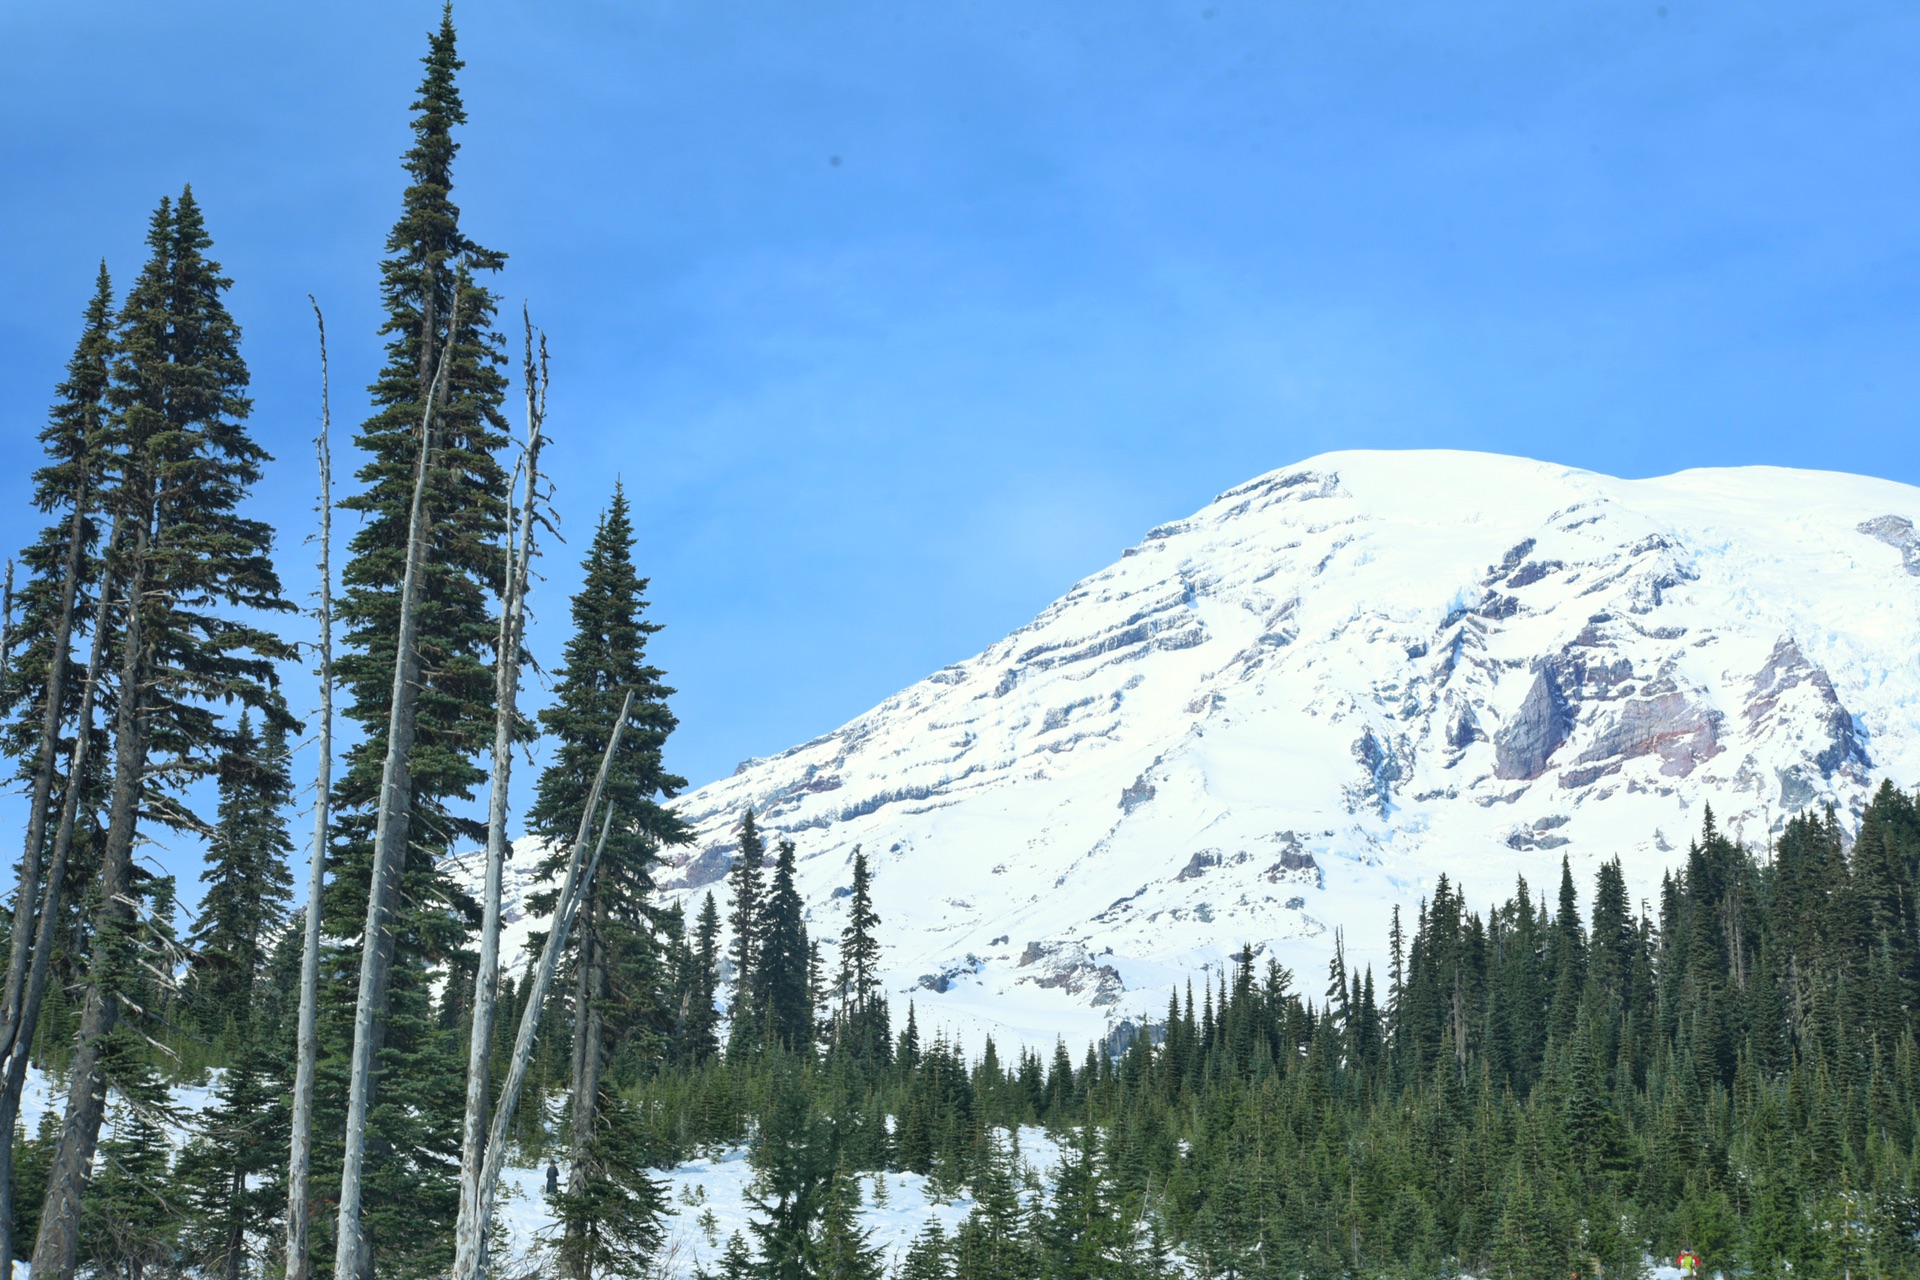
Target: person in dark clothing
point(553, 1178)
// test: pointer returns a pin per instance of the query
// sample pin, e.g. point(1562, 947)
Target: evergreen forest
point(323, 1070)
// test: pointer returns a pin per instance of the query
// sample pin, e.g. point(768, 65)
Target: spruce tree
point(862, 1016)
point(929, 1256)
point(745, 1016)
point(247, 878)
point(227, 1175)
point(617, 960)
point(42, 684)
point(198, 573)
point(794, 1160)
point(440, 347)
point(843, 1248)
point(612, 1219)
point(703, 1017)
point(781, 988)
point(133, 1216)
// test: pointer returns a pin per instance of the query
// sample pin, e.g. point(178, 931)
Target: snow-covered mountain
point(1302, 704)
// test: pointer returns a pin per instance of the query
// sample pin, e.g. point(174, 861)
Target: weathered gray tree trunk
point(306, 1043)
point(589, 1035)
point(19, 1049)
point(469, 1260)
point(56, 1251)
point(27, 893)
point(506, 686)
point(392, 829)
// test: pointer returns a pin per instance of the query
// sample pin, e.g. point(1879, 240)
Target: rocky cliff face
point(1301, 705)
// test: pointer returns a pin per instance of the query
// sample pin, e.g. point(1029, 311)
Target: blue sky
point(897, 318)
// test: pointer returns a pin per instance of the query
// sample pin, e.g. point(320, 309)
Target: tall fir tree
point(782, 992)
point(703, 1017)
point(248, 883)
point(42, 685)
point(440, 346)
point(617, 960)
point(861, 1018)
point(198, 574)
point(746, 881)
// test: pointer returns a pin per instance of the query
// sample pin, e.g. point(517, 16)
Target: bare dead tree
point(37, 954)
point(306, 1044)
point(27, 891)
point(506, 686)
point(56, 1251)
point(470, 1246)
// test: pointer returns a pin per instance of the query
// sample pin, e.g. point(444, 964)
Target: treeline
point(1537, 1090)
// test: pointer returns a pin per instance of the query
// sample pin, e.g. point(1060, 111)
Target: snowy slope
point(708, 1201)
point(1305, 702)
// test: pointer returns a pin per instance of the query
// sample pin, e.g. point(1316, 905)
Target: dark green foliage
point(700, 1026)
point(181, 464)
point(794, 1159)
point(134, 1211)
point(842, 1248)
point(626, 956)
point(929, 1257)
point(604, 660)
point(612, 1224)
point(861, 1027)
point(743, 949)
point(437, 315)
point(1736, 1074)
point(229, 1175)
point(782, 999)
point(67, 488)
point(247, 881)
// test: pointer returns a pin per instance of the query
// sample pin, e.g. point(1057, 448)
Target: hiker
point(553, 1181)
point(1688, 1262)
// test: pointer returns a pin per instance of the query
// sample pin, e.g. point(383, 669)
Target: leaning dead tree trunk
point(6, 618)
point(56, 1252)
point(506, 689)
point(469, 1256)
point(37, 955)
point(27, 892)
point(306, 1044)
point(391, 830)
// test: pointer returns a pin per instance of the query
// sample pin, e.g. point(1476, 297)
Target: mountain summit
point(1271, 721)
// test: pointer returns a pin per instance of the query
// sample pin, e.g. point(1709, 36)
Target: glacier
point(1271, 722)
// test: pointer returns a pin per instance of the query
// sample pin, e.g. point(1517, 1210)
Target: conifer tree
point(736, 1262)
point(227, 1175)
point(703, 1016)
point(132, 1216)
point(794, 1160)
point(41, 682)
point(928, 1257)
point(442, 377)
point(197, 571)
point(862, 1016)
point(781, 988)
point(611, 1218)
point(617, 959)
point(745, 1016)
point(247, 878)
point(843, 1248)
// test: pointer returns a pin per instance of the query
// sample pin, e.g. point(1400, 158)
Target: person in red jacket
point(1688, 1262)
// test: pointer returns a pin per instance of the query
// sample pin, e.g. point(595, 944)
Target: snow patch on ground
point(709, 1200)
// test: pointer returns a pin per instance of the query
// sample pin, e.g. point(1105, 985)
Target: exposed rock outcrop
point(1527, 742)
